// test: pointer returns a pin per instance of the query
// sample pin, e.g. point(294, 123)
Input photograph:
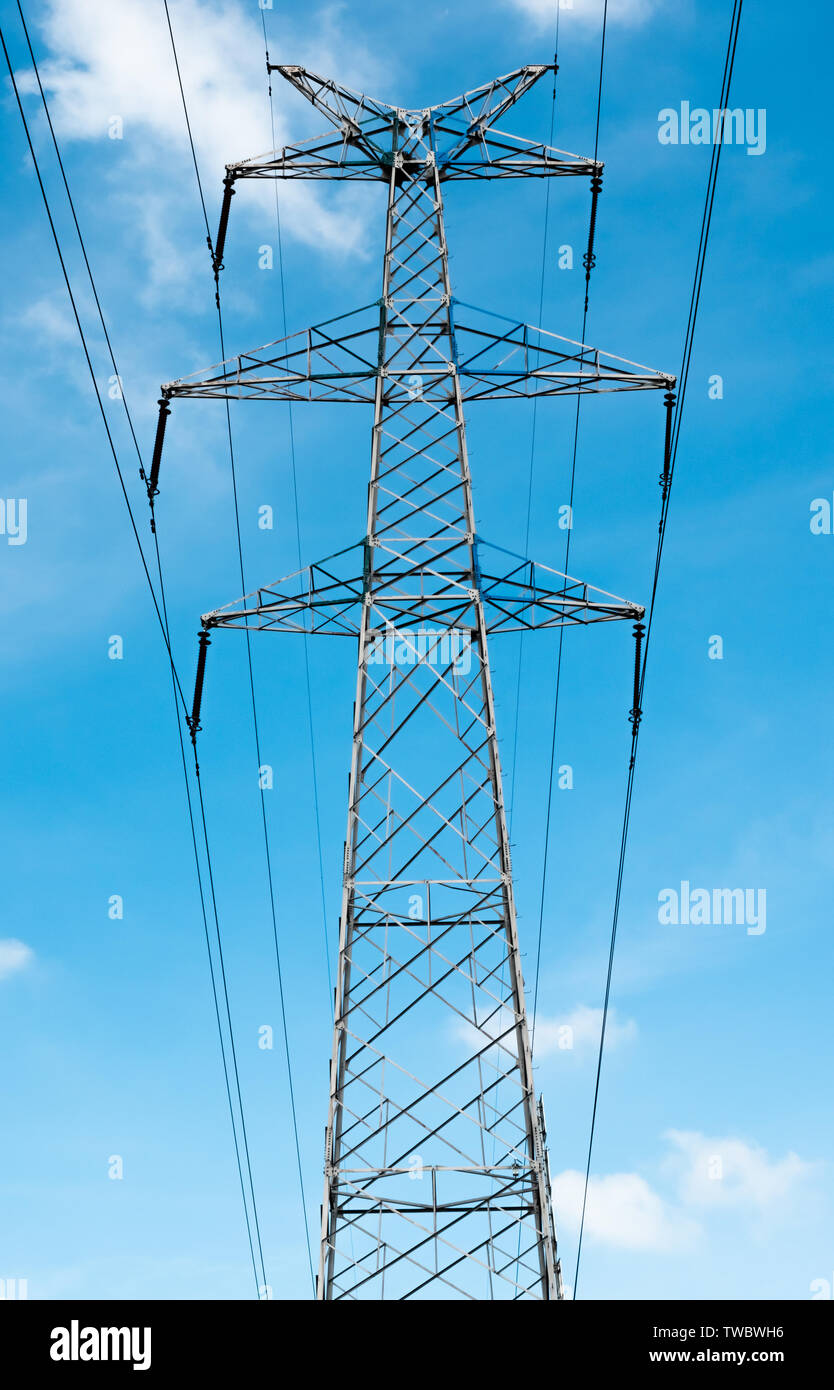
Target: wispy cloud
point(109, 62)
point(579, 1031)
point(588, 13)
point(49, 320)
point(623, 1211)
point(14, 956)
point(729, 1172)
point(576, 1034)
point(700, 1174)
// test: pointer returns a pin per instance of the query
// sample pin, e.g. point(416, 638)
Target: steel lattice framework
point(436, 1172)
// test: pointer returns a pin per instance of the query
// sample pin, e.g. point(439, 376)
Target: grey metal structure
point(436, 1176)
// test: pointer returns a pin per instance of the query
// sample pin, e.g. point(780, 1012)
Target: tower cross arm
point(346, 156)
point(343, 156)
point(329, 598)
point(501, 155)
point(493, 358)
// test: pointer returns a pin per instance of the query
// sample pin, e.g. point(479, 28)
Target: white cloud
point(731, 1173)
point(574, 1035)
point(109, 60)
point(622, 1211)
point(49, 319)
point(578, 1032)
point(14, 955)
point(587, 12)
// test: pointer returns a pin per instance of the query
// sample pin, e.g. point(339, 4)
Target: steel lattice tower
point(436, 1173)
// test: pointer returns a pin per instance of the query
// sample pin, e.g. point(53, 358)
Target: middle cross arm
point(494, 358)
point(329, 598)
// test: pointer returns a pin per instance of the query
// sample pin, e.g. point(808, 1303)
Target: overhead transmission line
point(588, 263)
point(294, 475)
point(673, 435)
point(73, 305)
point(160, 611)
point(216, 267)
point(526, 546)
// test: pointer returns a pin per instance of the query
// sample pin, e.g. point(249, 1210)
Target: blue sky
point(720, 1052)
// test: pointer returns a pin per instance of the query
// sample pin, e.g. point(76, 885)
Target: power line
point(227, 1004)
point(85, 348)
point(262, 1281)
point(188, 128)
point(253, 699)
point(313, 758)
point(589, 260)
point(589, 263)
point(161, 614)
point(668, 474)
point(526, 547)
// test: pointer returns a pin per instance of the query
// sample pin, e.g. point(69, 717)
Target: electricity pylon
point(436, 1173)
